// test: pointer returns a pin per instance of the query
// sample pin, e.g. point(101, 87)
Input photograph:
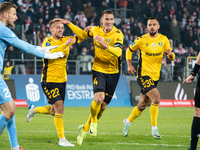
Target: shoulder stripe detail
point(88, 34)
point(131, 50)
point(76, 39)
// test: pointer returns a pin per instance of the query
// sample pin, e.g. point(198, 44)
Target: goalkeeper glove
point(45, 49)
point(54, 55)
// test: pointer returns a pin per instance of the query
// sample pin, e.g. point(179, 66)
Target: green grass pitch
point(174, 125)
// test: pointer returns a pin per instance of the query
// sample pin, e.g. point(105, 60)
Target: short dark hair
point(6, 6)
point(152, 18)
point(107, 11)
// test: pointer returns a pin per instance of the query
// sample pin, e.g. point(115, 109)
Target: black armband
point(195, 70)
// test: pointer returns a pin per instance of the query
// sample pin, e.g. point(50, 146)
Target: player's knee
point(142, 107)
point(156, 99)
point(99, 99)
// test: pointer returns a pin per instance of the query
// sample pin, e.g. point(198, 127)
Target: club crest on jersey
point(160, 44)
point(108, 40)
point(153, 44)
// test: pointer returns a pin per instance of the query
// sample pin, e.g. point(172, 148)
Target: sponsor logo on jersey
point(48, 44)
point(153, 54)
point(160, 44)
point(108, 40)
point(118, 39)
point(98, 46)
point(153, 44)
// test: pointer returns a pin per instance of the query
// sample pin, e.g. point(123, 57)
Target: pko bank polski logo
point(32, 91)
point(179, 93)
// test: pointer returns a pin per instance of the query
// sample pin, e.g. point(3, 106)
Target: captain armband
point(195, 70)
point(118, 45)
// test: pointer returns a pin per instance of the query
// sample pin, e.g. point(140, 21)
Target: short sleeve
point(135, 45)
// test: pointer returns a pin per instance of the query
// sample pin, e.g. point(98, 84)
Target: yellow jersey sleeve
point(116, 50)
point(78, 31)
point(133, 47)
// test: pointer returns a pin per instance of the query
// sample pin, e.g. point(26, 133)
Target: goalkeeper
point(8, 16)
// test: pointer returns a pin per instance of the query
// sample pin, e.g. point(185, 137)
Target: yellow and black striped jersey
point(151, 52)
point(55, 70)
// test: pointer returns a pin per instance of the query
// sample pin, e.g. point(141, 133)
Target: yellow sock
point(95, 108)
point(43, 110)
point(154, 114)
point(58, 121)
point(87, 124)
point(135, 113)
point(100, 114)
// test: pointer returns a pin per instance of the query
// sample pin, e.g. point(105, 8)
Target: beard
point(58, 36)
point(152, 33)
point(10, 23)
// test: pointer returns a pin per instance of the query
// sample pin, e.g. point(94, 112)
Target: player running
point(53, 80)
point(151, 49)
point(108, 43)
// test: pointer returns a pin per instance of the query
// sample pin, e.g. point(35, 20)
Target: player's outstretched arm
point(31, 49)
point(194, 71)
point(78, 31)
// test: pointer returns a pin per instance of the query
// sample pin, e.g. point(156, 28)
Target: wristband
point(195, 70)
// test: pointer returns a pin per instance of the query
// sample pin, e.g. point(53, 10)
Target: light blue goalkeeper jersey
point(6, 37)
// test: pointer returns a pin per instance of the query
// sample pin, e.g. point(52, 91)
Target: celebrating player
point(7, 119)
point(108, 42)
point(195, 130)
point(151, 48)
point(53, 80)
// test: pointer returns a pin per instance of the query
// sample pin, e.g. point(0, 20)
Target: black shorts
point(197, 94)
point(146, 84)
point(106, 83)
point(54, 91)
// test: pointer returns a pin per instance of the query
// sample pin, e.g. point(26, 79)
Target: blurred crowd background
point(179, 21)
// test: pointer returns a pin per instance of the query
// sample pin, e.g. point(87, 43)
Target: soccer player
point(53, 80)
point(195, 130)
point(151, 48)
point(7, 37)
point(108, 43)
